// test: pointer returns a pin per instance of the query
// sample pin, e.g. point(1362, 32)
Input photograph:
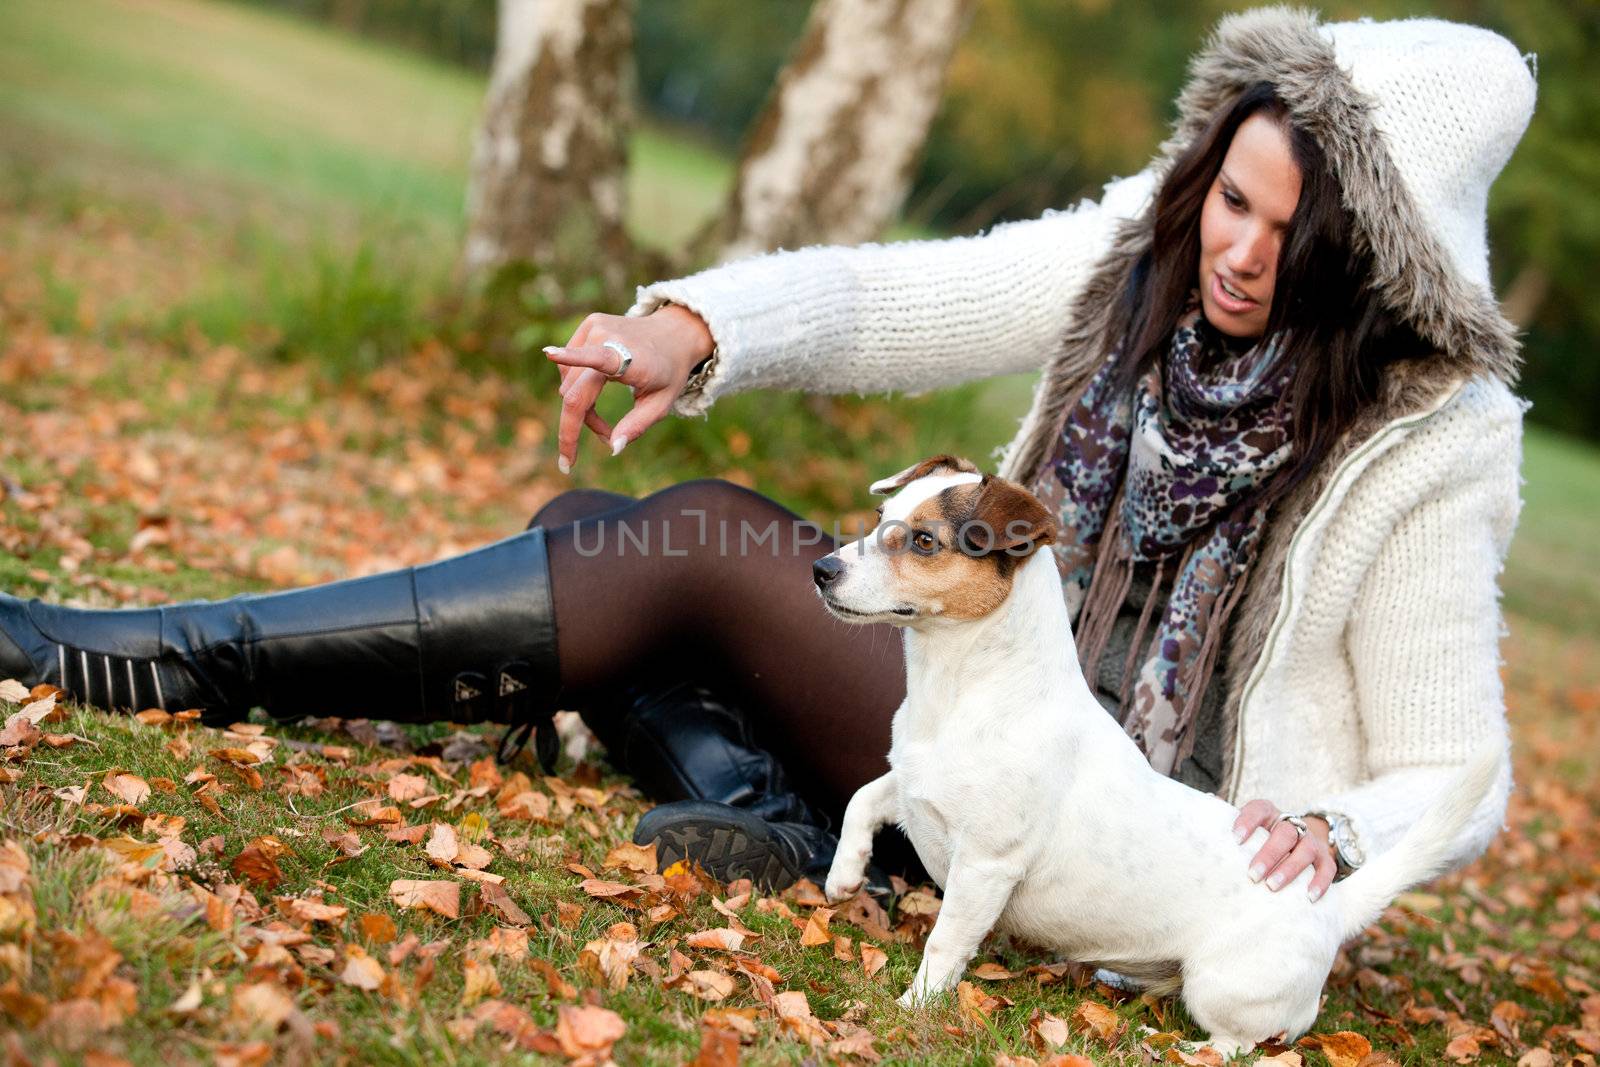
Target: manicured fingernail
point(562, 465)
point(1238, 836)
point(1256, 872)
point(618, 443)
point(1315, 894)
point(551, 350)
point(1275, 882)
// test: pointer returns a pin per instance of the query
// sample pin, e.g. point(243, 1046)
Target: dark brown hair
point(1335, 332)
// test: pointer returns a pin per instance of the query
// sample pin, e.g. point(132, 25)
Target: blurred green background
point(287, 176)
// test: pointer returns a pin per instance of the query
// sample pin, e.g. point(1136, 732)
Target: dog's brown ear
point(931, 465)
point(1007, 518)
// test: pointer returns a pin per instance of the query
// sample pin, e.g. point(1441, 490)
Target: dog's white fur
point(1040, 817)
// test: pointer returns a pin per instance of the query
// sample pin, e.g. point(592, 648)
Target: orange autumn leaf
point(378, 928)
point(1048, 1031)
point(404, 787)
point(641, 859)
point(974, 1003)
point(442, 898)
point(588, 1031)
point(708, 985)
point(1343, 1049)
point(480, 981)
point(718, 1048)
point(360, 969)
point(816, 931)
point(499, 901)
point(991, 972)
point(1096, 1017)
point(258, 866)
point(722, 937)
point(598, 887)
point(610, 959)
point(442, 843)
point(872, 959)
point(128, 787)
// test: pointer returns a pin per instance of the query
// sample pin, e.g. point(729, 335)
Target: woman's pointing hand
point(664, 346)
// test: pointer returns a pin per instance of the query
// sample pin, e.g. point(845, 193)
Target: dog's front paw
point(845, 877)
point(916, 996)
point(840, 888)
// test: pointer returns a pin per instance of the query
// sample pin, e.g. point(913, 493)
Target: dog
point(1039, 816)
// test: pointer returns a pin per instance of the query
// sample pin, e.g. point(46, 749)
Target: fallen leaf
point(816, 931)
point(722, 938)
point(257, 866)
point(974, 1003)
point(442, 844)
point(1104, 1022)
point(499, 901)
point(708, 985)
point(718, 1048)
point(129, 787)
point(132, 851)
point(1343, 1049)
point(558, 986)
point(443, 898)
point(360, 969)
point(188, 1003)
point(597, 887)
point(315, 911)
point(588, 1031)
point(265, 1004)
point(641, 859)
point(872, 959)
point(404, 787)
point(1048, 1031)
point(991, 972)
point(378, 928)
point(480, 981)
point(610, 959)
point(795, 1018)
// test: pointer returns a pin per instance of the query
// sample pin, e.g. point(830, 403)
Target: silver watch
point(1347, 851)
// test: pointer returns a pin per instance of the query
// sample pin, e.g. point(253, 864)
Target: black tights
point(710, 581)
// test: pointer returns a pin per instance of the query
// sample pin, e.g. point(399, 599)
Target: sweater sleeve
point(1424, 646)
point(907, 317)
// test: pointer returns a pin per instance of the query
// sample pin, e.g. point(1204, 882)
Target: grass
point(226, 241)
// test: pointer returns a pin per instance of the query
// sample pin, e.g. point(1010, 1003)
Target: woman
point(1275, 419)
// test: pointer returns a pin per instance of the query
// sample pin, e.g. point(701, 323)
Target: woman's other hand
point(666, 345)
point(1286, 853)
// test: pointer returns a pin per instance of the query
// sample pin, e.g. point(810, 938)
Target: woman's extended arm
point(907, 317)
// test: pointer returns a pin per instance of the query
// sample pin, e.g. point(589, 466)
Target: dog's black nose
point(826, 570)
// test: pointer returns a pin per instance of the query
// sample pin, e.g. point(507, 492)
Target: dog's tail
point(1424, 851)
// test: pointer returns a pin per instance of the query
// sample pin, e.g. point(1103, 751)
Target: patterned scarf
point(1168, 474)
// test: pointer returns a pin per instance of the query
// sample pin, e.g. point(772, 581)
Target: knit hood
point(1415, 118)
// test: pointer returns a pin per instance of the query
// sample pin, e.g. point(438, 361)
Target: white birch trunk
point(831, 157)
point(549, 163)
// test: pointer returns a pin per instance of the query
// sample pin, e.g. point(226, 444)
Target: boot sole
point(726, 850)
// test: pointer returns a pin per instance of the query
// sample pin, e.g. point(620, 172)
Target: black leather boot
point(467, 639)
point(733, 812)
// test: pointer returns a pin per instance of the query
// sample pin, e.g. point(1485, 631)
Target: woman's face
point(1246, 214)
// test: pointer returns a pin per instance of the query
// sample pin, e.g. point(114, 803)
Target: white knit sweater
point(1380, 672)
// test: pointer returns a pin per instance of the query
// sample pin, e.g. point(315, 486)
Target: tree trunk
point(549, 164)
point(831, 156)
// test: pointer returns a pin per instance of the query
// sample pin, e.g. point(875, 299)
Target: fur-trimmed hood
point(1429, 264)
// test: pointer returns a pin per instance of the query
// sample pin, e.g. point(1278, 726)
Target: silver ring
point(622, 350)
point(1296, 821)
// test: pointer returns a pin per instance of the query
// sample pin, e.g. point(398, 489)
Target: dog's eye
point(924, 542)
